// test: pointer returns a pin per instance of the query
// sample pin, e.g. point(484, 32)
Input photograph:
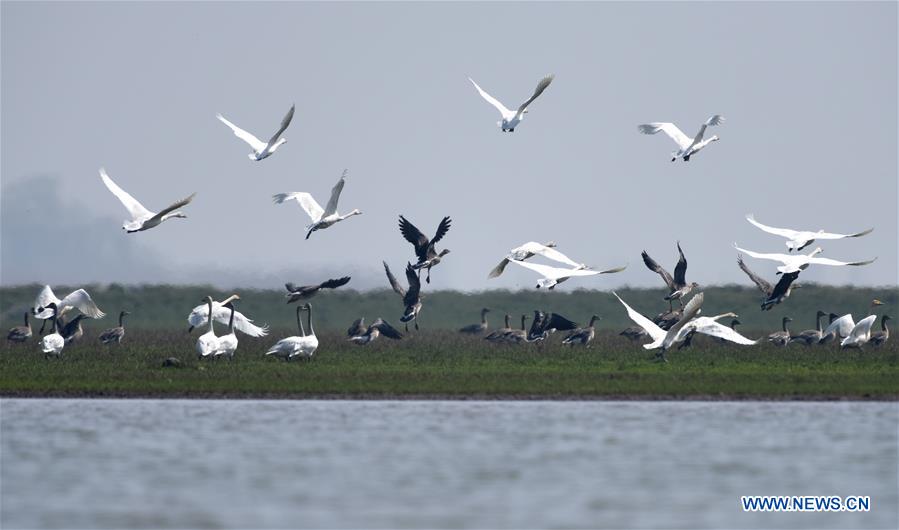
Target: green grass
point(445, 364)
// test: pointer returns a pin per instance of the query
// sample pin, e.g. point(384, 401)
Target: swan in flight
point(799, 239)
point(411, 297)
point(677, 285)
point(53, 343)
point(477, 329)
point(207, 343)
point(142, 218)
point(221, 313)
point(20, 333)
point(860, 333)
point(305, 292)
point(115, 334)
point(800, 262)
point(321, 217)
point(710, 326)
point(511, 118)
point(661, 338)
point(301, 345)
point(774, 294)
point(687, 146)
point(552, 276)
point(376, 329)
point(78, 299)
point(261, 149)
point(529, 250)
point(424, 248)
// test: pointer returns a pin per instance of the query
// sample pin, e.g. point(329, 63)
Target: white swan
point(842, 327)
point(78, 299)
point(799, 239)
point(710, 326)
point(511, 118)
point(222, 314)
point(529, 250)
point(297, 346)
point(553, 276)
point(207, 343)
point(53, 343)
point(228, 343)
point(860, 334)
point(261, 149)
point(800, 262)
point(661, 338)
point(142, 218)
point(687, 146)
point(321, 218)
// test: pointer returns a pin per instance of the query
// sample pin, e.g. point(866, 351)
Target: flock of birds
point(667, 329)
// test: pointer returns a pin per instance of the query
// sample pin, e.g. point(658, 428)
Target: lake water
point(439, 464)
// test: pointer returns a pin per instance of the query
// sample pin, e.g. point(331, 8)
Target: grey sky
point(808, 89)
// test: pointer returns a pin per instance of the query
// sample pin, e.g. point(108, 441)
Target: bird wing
point(387, 330)
point(44, 298)
point(333, 284)
point(331, 207)
point(135, 208)
point(655, 267)
point(492, 100)
point(828, 235)
point(83, 302)
point(783, 232)
point(559, 322)
point(284, 123)
point(612, 270)
point(255, 143)
point(414, 285)
point(541, 86)
point(681, 139)
point(554, 272)
point(393, 283)
point(413, 234)
point(654, 331)
point(174, 206)
point(717, 119)
point(783, 285)
point(842, 326)
point(835, 263)
point(305, 200)
point(243, 324)
point(860, 330)
point(783, 258)
point(442, 229)
point(689, 313)
point(499, 268)
point(722, 332)
point(762, 283)
point(680, 270)
point(553, 254)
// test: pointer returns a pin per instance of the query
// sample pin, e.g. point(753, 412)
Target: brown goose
point(115, 335)
point(72, 331)
point(376, 329)
point(781, 338)
point(424, 247)
point(811, 336)
point(880, 337)
point(497, 334)
point(583, 336)
point(20, 333)
point(305, 292)
point(411, 296)
point(474, 329)
point(516, 336)
point(677, 285)
point(358, 327)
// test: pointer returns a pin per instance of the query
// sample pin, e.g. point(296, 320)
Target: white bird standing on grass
point(222, 314)
point(207, 343)
point(511, 118)
point(687, 146)
point(529, 250)
point(261, 149)
point(321, 217)
point(553, 276)
point(302, 345)
point(799, 239)
point(142, 218)
point(228, 343)
point(800, 262)
point(53, 343)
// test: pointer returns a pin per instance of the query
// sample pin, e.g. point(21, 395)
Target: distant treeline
point(167, 306)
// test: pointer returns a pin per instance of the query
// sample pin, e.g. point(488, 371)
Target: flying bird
point(544, 322)
point(661, 338)
point(411, 296)
point(799, 239)
point(529, 250)
point(677, 286)
point(424, 248)
point(142, 218)
point(511, 118)
point(774, 294)
point(800, 262)
point(261, 149)
point(376, 329)
point(552, 276)
point(305, 292)
point(222, 314)
point(687, 146)
point(78, 299)
point(710, 326)
point(321, 218)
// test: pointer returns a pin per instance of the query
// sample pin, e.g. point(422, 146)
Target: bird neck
point(209, 303)
point(309, 320)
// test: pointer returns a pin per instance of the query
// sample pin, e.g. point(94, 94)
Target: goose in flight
point(358, 327)
point(511, 118)
point(477, 329)
point(115, 335)
point(261, 149)
point(301, 345)
point(544, 322)
point(20, 333)
point(880, 337)
point(376, 329)
point(800, 262)
point(529, 250)
point(411, 297)
point(552, 276)
point(687, 146)
point(208, 343)
point(200, 314)
point(582, 336)
point(142, 218)
point(78, 299)
point(321, 217)
point(860, 334)
point(782, 337)
point(305, 292)
point(799, 239)
point(424, 248)
point(661, 338)
point(677, 286)
point(53, 343)
point(774, 294)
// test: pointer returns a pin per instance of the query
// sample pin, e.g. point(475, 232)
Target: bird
point(497, 334)
point(666, 319)
point(543, 322)
point(661, 338)
point(475, 329)
point(842, 327)
point(199, 315)
point(582, 336)
point(321, 217)
point(207, 343)
point(510, 118)
point(411, 296)
point(297, 345)
point(878, 338)
point(305, 292)
point(782, 337)
point(552, 276)
point(687, 146)
point(309, 342)
point(710, 326)
point(677, 285)
point(53, 343)
point(72, 331)
point(261, 150)
point(78, 299)
point(514, 336)
point(811, 336)
point(800, 262)
point(228, 343)
point(376, 329)
point(860, 334)
point(142, 218)
point(115, 335)
point(634, 333)
point(774, 294)
point(20, 333)
point(733, 325)
point(799, 239)
point(424, 248)
point(358, 327)
point(529, 250)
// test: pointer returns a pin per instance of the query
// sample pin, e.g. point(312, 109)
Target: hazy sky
point(808, 90)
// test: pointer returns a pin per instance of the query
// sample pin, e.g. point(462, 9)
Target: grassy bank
point(448, 365)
